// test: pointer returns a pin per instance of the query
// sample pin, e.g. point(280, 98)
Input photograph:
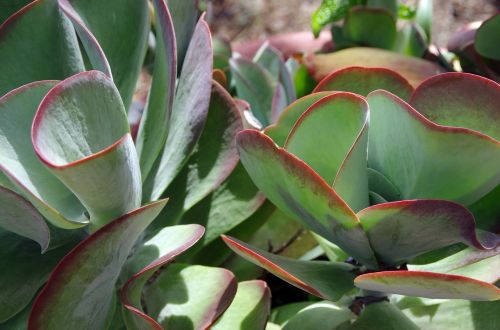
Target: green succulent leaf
point(24, 270)
point(9, 7)
point(54, 36)
point(382, 316)
point(389, 5)
point(149, 257)
point(188, 115)
point(486, 42)
point(411, 40)
point(289, 116)
point(426, 160)
point(249, 309)
point(91, 151)
point(487, 211)
point(399, 231)
point(364, 80)
point(302, 194)
point(83, 283)
point(330, 11)
point(21, 165)
point(423, 16)
point(342, 118)
point(189, 296)
point(153, 128)
point(429, 285)
point(256, 85)
point(382, 187)
point(460, 100)
point(20, 217)
point(320, 315)
point(327, 280)
point(373, 27)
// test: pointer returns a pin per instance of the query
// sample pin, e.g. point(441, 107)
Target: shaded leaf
point(382, 316)
point(373, 27)
point(485, 41)
point(423, 16)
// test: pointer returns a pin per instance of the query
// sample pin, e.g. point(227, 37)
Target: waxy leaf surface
point(486, 42)
point(382, 316)
point(320, 315)
point(83, 283)
point(372, 27)
point(327, 280)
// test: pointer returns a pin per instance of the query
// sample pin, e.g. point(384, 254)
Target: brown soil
point(240, 20)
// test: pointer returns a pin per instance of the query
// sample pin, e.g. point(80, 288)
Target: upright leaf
point(485, 40)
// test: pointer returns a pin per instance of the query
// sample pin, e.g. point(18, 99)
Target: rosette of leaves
point(373, 23)
point(76, 183)
point(400, 187)
point(477, 49)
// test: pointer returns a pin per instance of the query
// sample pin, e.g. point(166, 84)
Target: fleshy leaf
point(399, 231)
point(341, 118)
point(188, 115)
point(150, 256)
point(364, 80)
point(330, 11)
point(82, 284)
point(280, 130)
point(91, 151)
point(320, 315)
point(429, 285)
point(373, 27)
point(255, 85)
point(184, 15)
point(186, 296)
point(21, 218)
point(486, 42)
point(382, 316)
point(10, 7)
point(153, 128)
point(426, 160)
point(327, 280)
point(20, 163)
point(54, 37)
point(249, 308)
point(460, 100)
point(415, 70)
point(423, 16)
point(301, 193)
point(24, 270)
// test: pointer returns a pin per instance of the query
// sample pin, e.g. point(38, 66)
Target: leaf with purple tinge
point(55, 37)
point(148, 258)
point(249, 308)
point(189, 296)
point(429, 285)
point(280, 130)
point(364, 80)
point(399, 231)
point(427, 160)
point(83, 282)
point(460, 100)
point(91, 151)
point(123, 42)
point(301, 193)
point(327, 280)
point(153, 127)
point(21, 165)
point(189, 113)
point(20, 217)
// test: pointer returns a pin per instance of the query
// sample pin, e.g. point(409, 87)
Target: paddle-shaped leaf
point(374, 27)
point(460, 100)
point(189, 112)
point(382, 316)
point(399, 231)
point(10, 7)
point(150, 256)
point(301, 193)
point(426, 160)
point(20, 163)
point(83, 283)
point(189, 297)
point(327, 280)
point(54, 37)
point(485, 42)
point(341, 119)
point(184, 15)
point(364, 80)
point(154, 123)
point(320, 315)
point(121, 29)
point(91, 151)
point(429, 285)
point(249, 308)
point(21, 218)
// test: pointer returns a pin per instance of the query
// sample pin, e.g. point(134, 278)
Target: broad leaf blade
point(320, 315)
point(301, 193)
point(429, 285)
point(83, 282)
point(327, 280)
point(382, 316)
point(373, 27)
point(485, 41)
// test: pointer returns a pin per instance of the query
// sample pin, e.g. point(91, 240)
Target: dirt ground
point(240, 20)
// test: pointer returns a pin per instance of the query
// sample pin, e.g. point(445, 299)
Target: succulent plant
point(400, 187)
point(76, 181)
